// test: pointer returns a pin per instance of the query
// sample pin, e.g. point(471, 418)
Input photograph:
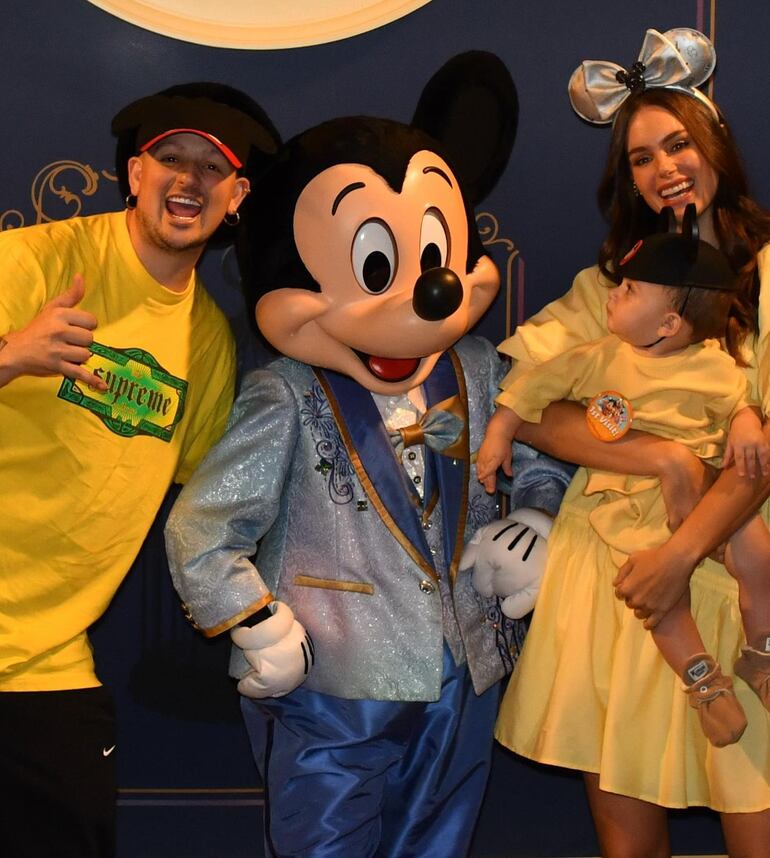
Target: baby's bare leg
point(709, 692)
point(677, 637)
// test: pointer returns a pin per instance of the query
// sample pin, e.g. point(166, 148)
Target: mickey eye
point(434, 241)
point(374, 257)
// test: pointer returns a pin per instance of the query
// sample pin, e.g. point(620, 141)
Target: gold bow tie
point(440, 428)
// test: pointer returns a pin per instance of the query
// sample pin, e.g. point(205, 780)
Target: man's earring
point(232, 218)
point(131, 200)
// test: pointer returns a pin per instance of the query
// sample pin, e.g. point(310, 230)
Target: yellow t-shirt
point(689, 397)
point(83, 473)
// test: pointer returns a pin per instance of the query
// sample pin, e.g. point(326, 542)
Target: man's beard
point(154, 233)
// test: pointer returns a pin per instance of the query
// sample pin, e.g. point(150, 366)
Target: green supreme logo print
point(141, 397)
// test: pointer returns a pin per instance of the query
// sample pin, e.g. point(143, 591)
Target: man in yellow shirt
point(116, 376)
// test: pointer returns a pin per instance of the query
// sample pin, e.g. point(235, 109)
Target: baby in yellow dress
point(661, 370)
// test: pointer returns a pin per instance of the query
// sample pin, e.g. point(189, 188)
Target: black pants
point(57, 774)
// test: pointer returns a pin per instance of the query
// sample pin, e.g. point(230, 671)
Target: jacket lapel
point(452, 475)
point(377, 468)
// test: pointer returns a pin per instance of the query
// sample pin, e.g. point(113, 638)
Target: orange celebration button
point(609, 415)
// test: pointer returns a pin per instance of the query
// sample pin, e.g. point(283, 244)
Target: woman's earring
point(636, 190)
point(131, 202)
point(232, 218)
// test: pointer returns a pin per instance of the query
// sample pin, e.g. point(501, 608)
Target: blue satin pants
point(364, 778)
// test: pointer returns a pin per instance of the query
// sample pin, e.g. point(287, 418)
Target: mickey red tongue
point(392, 369)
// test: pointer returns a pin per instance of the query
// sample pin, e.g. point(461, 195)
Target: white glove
point(279, 651)
point(508, 559)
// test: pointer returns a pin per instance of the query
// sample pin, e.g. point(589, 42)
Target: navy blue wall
point(188, 785)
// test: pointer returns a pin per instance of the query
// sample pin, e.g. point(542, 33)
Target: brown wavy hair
point(742, 226)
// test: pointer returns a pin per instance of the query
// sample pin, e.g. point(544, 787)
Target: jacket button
point(427, 586)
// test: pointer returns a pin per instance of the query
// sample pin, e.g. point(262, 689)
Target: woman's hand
point(651, 582)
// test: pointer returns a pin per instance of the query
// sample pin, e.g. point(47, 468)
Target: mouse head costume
point(361, 252)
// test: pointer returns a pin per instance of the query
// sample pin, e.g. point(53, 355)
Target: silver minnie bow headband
point(679, 59)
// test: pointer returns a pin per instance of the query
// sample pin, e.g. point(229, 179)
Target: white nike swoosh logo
point(107, 751)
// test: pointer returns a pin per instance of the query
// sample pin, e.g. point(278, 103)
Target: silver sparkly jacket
point(306, 479)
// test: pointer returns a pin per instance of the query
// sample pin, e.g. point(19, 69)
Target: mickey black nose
point(437, 294)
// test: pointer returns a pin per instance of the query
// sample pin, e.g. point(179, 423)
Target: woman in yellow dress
point(591, 691)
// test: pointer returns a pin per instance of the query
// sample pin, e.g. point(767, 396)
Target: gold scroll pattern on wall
point(489, 230)
point(57, 193)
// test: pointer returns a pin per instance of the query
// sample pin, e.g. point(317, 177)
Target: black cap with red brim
point(234, 132)
point(225, 150)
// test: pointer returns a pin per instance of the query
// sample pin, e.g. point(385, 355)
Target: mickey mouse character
point(368, 662)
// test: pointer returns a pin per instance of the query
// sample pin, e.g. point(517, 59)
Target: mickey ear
point(666, 220)
point(470, 106)
point(690, 223)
